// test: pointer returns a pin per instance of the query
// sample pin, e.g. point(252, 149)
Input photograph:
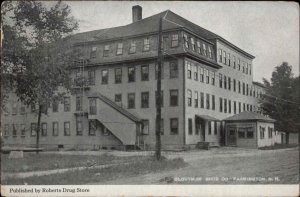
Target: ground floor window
point(23, 129)
point(67, 128)
point(174, 126)
point(190, 122)
point(262, 132)
point(55, 128)
point(44, 129)
point(79, 127)
point(93, 109)
point(145, 127)
point(92, 127)
point(33, 129)
point(246, 132)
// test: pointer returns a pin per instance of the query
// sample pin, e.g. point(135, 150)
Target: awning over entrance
point(206, 117)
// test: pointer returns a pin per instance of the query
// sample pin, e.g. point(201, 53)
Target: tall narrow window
point(220, 80)
point(239, 86)
point(104, 76)
point(206, 72)
point(239, 64)
point(201, 99)
point(189, 70)
point(67, 104)
point(131, 100)
point(93, 127)
point(174, 126)
point(228, 59)
point(215, 128)
point(93, 52)
point(240, 107)
point(207, 101)
point(78, 103)
point(195, 71)
point(199, 47)
point(118, 75)
point(173, 97)
point(120, 49)
point(213, 104)
point(244, 89)
point(55, 128)
point(212, 78)
point(201, 74)
point(196, 99)
point(93, 106)
point(91, 77)
point(174, 40)
point(189, 97)
point(224, 57)
point(78, 127)
point(132, 48)
point(234, 107)
point(209, 127)
point(131, 74)
point(234, 85)
point(145, 127)
point(234, 61)
point(161, 69)
point(220, 55)
point(229, 106)
point(146, 46)
point(221, 105)
point(247, 89)
point(33, 129)
point(209, 53)
point(173, 70)
point(186, 41)
point(44, 129)
point(23, 129)
point(55, 106)
point(67, 129)
point(229, 83)
point(225, 82)
point(14, 129)
point(145, 99)
point(193, 44)
point(106, 51)
point(204, 49)
point(249, 69)
point(247, 65)
point(145, 73)
point(225, 105)
point(190, 122)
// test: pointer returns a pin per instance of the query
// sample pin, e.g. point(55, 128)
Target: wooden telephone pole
point(158, 98)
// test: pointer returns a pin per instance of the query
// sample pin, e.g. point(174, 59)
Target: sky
point(267, 30)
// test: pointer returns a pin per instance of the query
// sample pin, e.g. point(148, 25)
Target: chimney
point(136, 13)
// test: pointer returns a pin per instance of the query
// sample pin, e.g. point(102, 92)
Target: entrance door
point(231, 137)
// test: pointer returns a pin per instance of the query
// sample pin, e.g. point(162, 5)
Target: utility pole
point(158, 98)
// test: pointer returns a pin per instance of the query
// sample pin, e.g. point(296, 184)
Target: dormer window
point(120, 49)
point(93, 52)
point(146, 46)
point(132, 48)
point(174, 41)
point(106, 51)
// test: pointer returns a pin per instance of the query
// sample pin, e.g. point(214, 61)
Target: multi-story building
point(205, 79)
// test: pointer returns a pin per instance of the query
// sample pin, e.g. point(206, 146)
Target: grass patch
point(76, 177)
point(278, 146)
point(34, 162)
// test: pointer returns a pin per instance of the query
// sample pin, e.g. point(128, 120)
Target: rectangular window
point(174, 40)
point(14, 130)
point(209, 127)
point(220, 55)
point(250, 133)
point(44, 129)
point(225, 105)
point(132, 48)
point(145, 127)
point(220, 80)
point(244, 89)
point(23, 130)
point(195, 72)
point(55, 128)
point(224, 57)
point(106, 51)
point(239, 86)
point(104, 76)
point(241, 133)
point(93, 52)
point(55, 106)
point(225, 82)
point(212, 77)
point(79, 103)
point(145, 73)
point(186, 41)
point(173, 126)
point(189, 97)
point(91, 77)
point(118, 98)
point(118, 75)
point(209, 53)
point(93, 127)
point(207, 101)
point(199, 47)
point(229, 83)
point(193, 44)
point(67, 104)
point(189, 70)
point(206, 73)
point(131, 100)
point(146, 46)
point(145, 99)
point(239, 64)
point(270, 132)
point(161, 98)
point(201, 74)
point(228, 59)
point(93, 107)
point(161, 71)
point(262, 132)
point(173, 70)
point(244, 107)
point(120, 49)
point(249, 69)
point(213, 102)
point(204, 49)
point(173, 97)
point(221, 105)
point(247, 89)
point(131, 74)
point(202, 100)
point(234, 85)
point(240, 107)
point(78, 127)
point(229, 106)
point(33, 129)
point(234, 63)
point(67, 129)
point(234, 107)
point(190, 122)
point(215, 128)
point(196, 99)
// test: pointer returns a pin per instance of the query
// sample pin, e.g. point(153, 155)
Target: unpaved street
point(227, 166)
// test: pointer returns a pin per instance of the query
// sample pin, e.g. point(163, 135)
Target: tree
point(281, 101)
point(36, 52)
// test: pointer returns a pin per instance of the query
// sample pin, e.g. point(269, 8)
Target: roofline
point(258, 84)
point(249, 120)
point(235, 47)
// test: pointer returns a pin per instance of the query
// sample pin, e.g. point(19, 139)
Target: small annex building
point(250, 130)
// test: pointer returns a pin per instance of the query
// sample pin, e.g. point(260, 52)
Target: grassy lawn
point(34, 162)
point(279, 146)
point(76, 177)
